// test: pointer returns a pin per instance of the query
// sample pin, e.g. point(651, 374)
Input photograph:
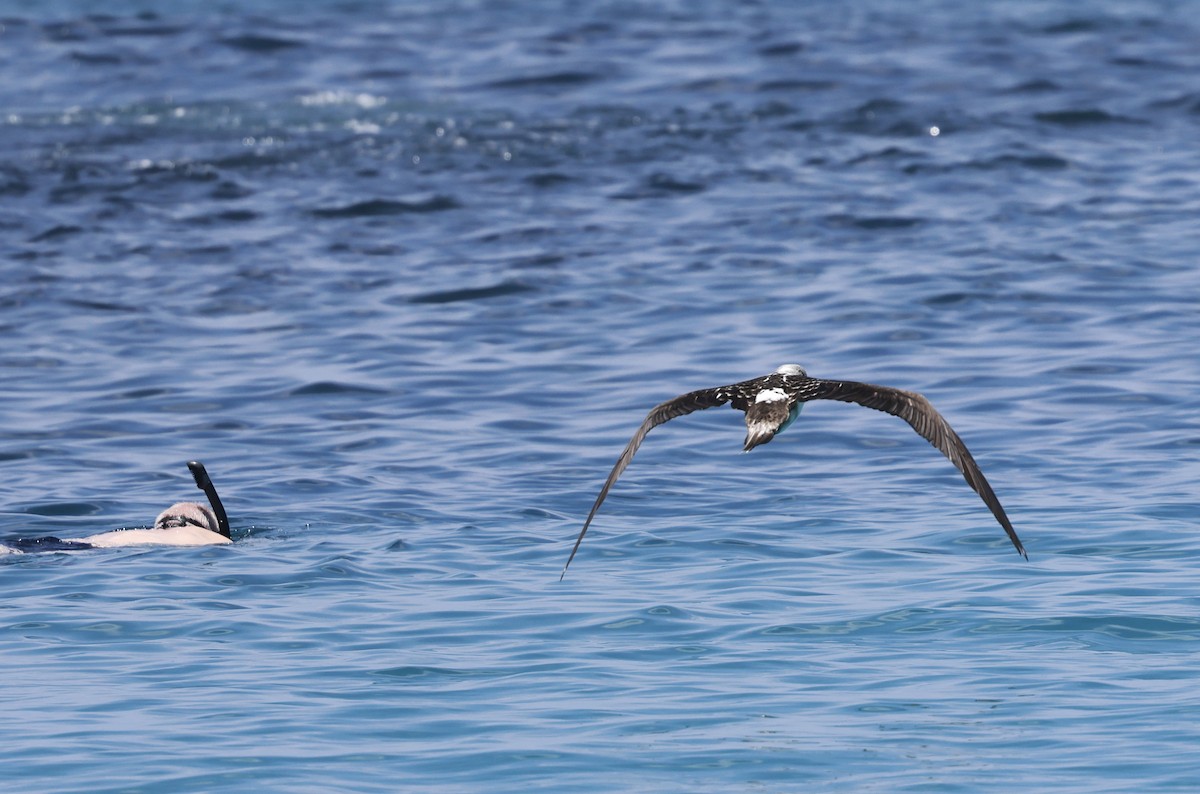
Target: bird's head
point(791, 369)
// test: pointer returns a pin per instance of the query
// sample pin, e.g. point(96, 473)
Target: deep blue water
point(407, 278)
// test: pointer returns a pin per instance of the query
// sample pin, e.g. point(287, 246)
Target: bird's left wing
point(925, 419)
point(664, 412)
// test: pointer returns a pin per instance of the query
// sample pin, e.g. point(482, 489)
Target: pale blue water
point(407, 278)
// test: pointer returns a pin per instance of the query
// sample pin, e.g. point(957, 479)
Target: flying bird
point(773, 402)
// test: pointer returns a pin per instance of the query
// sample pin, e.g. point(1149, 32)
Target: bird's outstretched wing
point(664, 412)
point(924, 418)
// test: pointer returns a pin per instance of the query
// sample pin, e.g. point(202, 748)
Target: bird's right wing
point(664, 412)
point(929, 424)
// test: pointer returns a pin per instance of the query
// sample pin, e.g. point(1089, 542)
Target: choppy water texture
point(406, 276)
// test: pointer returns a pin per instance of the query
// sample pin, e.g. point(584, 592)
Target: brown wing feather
point(925, 419)
point(664, 412)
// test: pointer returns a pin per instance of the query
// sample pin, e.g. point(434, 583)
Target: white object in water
point(182, 524)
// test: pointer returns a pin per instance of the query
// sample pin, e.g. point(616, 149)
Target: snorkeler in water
point(181, 524)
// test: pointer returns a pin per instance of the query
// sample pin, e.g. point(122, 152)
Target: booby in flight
point(773, 402)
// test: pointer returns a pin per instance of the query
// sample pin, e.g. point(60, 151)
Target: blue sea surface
point(407, 276)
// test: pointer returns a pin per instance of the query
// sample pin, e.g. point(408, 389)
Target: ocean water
point(406, 277)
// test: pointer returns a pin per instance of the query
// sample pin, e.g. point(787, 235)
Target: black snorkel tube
point(205, 484)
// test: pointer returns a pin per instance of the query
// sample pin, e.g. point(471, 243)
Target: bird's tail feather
point(758, 433)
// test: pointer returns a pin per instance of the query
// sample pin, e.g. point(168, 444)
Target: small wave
point(103, 306)
point(221, 218)
point(1036, 86)
point(661, 186)
point(872, 223)
point(781, 49)
point(1082, 117)
point(548, 179)
point(96, 58)
point(419, 671)
point(1040, 162)
point(792, 84)
point(471, 294)
point(333, 387)
point(549, 80)
point(143, 27)
point(54, 232)
point(382, 207)
point(63, 509)
point(261, 44)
